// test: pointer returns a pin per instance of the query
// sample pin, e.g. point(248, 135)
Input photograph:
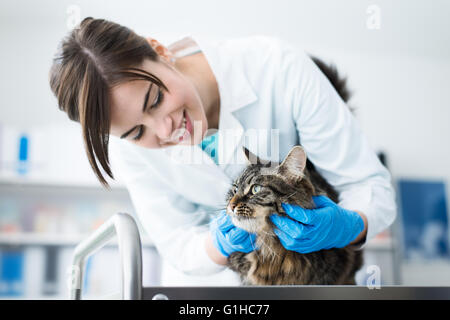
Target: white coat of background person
point(264, 83)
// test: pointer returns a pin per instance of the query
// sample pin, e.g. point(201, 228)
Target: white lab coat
point(264, 83)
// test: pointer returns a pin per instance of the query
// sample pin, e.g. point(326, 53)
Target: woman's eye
point(256, 188)
point(158, 100)
point(140, 133)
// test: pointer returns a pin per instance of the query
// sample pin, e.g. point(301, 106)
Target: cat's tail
point(338, 82)
point(340, 85)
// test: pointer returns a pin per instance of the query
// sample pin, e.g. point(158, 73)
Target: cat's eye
point(256, 188)
point(234, 188)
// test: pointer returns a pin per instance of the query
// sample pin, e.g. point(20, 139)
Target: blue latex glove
point(328, 226)
point(228, 238)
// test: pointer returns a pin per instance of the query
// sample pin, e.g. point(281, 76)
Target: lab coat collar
point(242, 93)
point(234, 87)
point(235, 93)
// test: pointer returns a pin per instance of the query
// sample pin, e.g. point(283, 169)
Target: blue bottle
point(22, 167)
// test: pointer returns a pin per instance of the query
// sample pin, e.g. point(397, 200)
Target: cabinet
point(41, 223)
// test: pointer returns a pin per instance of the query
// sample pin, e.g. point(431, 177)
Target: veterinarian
point(148, 111)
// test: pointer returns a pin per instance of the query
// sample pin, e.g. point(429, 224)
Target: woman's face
point(150, 117)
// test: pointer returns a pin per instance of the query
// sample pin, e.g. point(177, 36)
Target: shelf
point(380, 244)
point(37, 297)
point(33, 182)
point(37, 239)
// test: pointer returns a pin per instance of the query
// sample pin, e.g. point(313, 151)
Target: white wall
point(399, 73)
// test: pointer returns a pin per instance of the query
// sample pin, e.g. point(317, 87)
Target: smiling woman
point(113, 81)
point(153, 118)
point(94, 57)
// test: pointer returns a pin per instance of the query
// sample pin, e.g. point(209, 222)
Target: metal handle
point(130, 250)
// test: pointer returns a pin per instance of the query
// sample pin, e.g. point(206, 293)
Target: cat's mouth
point(244, 218)
point(251, 219)
point(240, 218)
point(249, 224)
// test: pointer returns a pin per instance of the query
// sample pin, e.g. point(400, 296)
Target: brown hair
point(95, 56)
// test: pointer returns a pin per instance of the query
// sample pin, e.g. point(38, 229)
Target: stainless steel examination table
point(125, 228)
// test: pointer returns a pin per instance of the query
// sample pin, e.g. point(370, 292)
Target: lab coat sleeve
point(178, 236)
point(334, 142)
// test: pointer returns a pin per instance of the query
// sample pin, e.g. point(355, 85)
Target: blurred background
point(396, 55)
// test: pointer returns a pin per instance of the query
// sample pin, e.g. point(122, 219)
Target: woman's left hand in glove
point(325, 227)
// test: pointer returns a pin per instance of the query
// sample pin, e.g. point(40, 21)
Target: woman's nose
point(162, 127)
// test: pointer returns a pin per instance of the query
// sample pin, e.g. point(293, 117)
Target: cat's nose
point(232, 205)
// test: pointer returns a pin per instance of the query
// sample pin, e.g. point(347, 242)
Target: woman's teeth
point(183, 125)
point(179, 133)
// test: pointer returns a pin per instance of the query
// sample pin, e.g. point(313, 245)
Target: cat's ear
point(294, 164)
point(253, 158)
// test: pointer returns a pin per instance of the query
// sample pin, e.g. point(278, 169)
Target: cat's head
point(261, 188)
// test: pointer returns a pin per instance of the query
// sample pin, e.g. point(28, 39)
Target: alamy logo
point(74, 16)
point(373, 280)
point(373, 21)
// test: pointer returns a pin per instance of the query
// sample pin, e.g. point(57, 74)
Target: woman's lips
point(183, 132)
point(189, 124)
point(187, 127)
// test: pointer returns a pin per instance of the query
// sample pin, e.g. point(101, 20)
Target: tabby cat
point(258, 193)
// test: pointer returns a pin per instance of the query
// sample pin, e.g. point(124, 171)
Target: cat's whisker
point(291, 194)
point(253, 246)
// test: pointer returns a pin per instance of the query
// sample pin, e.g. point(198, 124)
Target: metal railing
point(130, 250)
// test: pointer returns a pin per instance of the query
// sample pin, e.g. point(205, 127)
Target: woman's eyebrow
point(143, 110)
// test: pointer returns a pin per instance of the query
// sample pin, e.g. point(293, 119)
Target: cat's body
point(294, 181)
point(272, 264)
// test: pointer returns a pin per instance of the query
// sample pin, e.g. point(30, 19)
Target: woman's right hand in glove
point(227, 238)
